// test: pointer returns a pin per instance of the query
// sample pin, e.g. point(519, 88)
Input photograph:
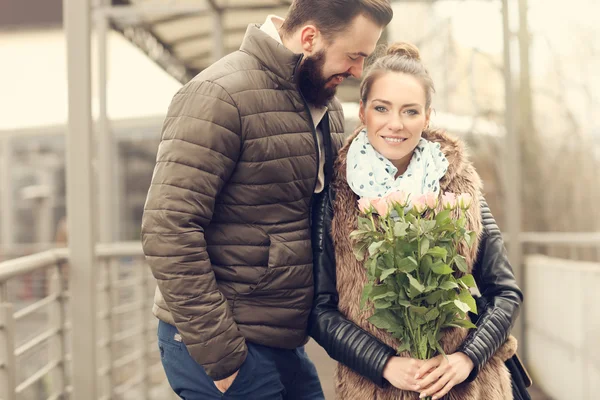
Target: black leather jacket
point(349, 344)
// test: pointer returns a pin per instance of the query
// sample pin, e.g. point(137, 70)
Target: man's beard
point(311, 82)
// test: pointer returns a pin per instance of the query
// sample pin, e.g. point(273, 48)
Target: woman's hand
point(440, 374)
point(401, 372)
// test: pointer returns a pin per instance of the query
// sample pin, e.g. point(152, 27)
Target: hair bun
point(404, 49)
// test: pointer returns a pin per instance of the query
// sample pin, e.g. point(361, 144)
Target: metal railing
point(127, 356)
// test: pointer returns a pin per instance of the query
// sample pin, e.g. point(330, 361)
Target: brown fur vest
point(493, 380)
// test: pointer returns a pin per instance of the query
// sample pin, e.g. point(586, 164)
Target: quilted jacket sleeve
point(500, 300)
point(200, 145)
point(343, 340)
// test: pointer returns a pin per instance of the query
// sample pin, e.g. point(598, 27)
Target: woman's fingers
point(439, 368)
point(444, 390)
point(428, 366)
point(437, 387)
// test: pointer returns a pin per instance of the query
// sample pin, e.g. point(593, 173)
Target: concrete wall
point(563, 326)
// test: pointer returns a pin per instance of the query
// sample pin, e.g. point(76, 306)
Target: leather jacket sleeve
point(344, 341)
point(501, 298)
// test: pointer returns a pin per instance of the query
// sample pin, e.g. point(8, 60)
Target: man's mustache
point(344, 75)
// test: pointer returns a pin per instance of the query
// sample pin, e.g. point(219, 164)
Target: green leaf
point(388, 260)
point(462, 306)
point(407, 264)
point(461, 263)
point(438, 252)
point(445, 303)
point(442, 217)
point(387, 295)
point(418, 310)
point(441, 269)
point(461, 323)
point(430, 288)
point(434, 297)
point(433, 280)
point(404, 247)
point(365, 294)
point(404, 346)
point(387, 272)
point(400, 228)
point(359, 232)
point(426, 263)
point(424, 247)
point(380, 319)
point(415, 284)
point(466, 298)
point(374, 247)
point(448, 285)
point(371, 266)
point(359, 250)
point(470, 238)
point(468, 280)
point(438, 347)
point(364, 224)
point(432, 340)
point(427, 226)
point(382, 304)
point(379, 290)
point(404, 303)
point(432, 314)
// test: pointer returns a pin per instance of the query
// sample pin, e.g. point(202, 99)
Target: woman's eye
point(380, 108)
point(412, 112)
point(353, 58)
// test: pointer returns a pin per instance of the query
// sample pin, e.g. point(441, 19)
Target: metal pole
point(105, 139)
point(6, 202)
point(218, 50)
point(513, 170)
point(80, 200)
point(7, 329)
point(57, 320)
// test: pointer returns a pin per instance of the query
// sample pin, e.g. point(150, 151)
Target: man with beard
point(245, 146)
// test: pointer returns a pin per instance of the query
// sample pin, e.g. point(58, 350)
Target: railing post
point(81, 215)
point(8, 361)
point(58, 320)
point(143, 272)
point(109, 301)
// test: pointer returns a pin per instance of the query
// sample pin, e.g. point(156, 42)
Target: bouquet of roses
point(417, 283)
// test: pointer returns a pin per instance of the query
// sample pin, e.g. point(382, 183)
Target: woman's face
point(395, 116)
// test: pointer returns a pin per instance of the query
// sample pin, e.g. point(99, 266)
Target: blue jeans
point(267, 373)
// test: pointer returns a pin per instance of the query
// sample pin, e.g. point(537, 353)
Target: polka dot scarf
point(370, 174)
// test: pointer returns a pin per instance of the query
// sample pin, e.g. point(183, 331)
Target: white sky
point(33, 80)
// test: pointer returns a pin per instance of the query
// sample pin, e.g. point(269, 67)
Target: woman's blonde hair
point(399, 57)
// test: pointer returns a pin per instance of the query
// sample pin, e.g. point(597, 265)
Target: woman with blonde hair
point(396, 150)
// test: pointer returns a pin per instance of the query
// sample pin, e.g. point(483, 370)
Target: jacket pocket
point(263, 277)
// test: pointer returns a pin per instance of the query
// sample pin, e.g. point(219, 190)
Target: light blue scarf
point(370, 174)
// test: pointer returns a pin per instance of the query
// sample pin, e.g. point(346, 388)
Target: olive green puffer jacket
point(226, 222)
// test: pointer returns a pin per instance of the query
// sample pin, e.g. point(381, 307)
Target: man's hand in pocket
point(224, 384)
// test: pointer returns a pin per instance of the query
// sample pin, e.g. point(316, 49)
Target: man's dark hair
point(332, 17)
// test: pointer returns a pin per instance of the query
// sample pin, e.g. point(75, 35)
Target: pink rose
point(449, 201)
point(381, 206)
point(465, 200)
point(431, 200)
point(419, 204)
point(397, 198)
point(364, 205)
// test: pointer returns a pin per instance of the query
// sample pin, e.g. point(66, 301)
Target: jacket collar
point(273, 55)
